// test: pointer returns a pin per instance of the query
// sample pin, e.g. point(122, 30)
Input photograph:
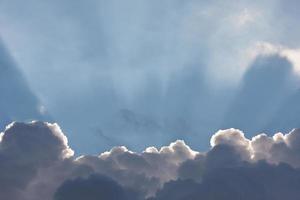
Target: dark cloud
point(259, 181)
point(94, 187)
point(247, 181)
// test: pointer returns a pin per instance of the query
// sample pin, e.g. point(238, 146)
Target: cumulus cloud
point(37, 163)
point(24, 150)
point(147, 170)
point(271, 170)
point(37, 160)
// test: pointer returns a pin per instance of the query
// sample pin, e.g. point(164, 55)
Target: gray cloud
point(24, 150)
point(36, 162)
point(239, 168)
point(92, 188)
point(259, 181)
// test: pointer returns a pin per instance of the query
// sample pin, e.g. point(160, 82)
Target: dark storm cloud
point(37, 163)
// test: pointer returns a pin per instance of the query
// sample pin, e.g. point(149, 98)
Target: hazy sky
point(140, 73)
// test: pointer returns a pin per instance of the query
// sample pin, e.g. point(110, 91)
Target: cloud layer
point(37, 163)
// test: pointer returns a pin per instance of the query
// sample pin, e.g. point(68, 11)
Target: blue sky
point(140, 73)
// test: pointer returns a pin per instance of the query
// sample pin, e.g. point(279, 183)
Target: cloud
point(92, 188)
point(37, 160)
point(24, 150)
point(37, 163)
point(146, 171)
point(270, 172)
point(259, 181)
point(269, 49)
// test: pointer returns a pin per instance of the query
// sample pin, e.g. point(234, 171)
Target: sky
point(149, 100)
point(140, 73)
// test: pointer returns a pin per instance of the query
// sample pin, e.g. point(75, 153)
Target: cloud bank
point(37, 163)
